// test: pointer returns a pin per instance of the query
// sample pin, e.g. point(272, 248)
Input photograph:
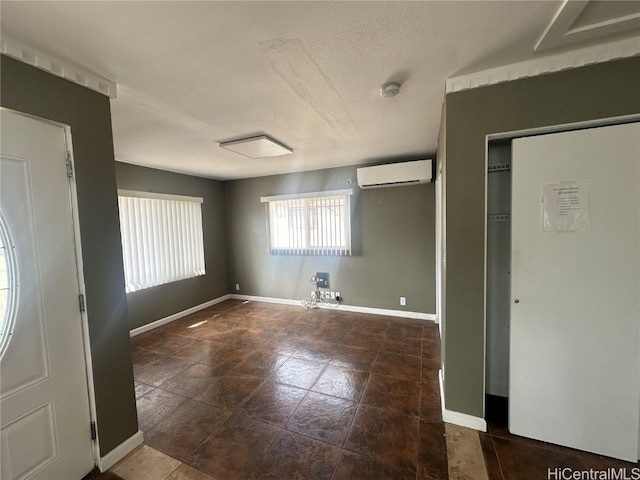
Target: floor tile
point(430, 408)
point(357, 467)
point(247, 389)
point(273, 403)
point(432, 458)
point(324, 418)
point(141, 357)
point(431, 364)
point(156, 405)
point(174, 344)
point(258, 364)
point(464, 454)
point(185, 472)
point(145, 463)
point(182, 431)
point(151, 340)
point(402, 329)
point(431, 357)
point(299, 373)
point(235, 449)
point(340, 382)
point(295, 456)
point(402, 396)
point(191, 381)
point(356, 339)
point(199, 350)
point(391, 438)
point(320, 352)
point(404, 366)
point(142, 389)
point(494, 472)
point(225, 358)
point(162, 369)
point(228, 392)
point(228, 336)
point(355, 358)
point(520, 461)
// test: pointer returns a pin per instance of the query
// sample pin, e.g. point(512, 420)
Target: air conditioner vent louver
point(395, 174)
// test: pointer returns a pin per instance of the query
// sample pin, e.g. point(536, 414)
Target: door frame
point(510, 135)
point(73, 199)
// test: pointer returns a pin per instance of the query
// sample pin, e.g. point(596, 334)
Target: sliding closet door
point(574, 339)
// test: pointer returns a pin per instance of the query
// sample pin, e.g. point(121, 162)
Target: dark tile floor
point(511, 457)
point(254, 390)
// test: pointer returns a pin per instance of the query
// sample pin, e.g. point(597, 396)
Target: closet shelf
point(499, 167)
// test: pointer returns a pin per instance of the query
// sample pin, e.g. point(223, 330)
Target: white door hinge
point(69, 165)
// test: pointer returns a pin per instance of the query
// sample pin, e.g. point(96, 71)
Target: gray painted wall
point(393, 238)
point(151, 304)
point(589, 93)
point(27, 89)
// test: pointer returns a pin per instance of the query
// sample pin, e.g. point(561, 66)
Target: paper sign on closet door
point(565, 207)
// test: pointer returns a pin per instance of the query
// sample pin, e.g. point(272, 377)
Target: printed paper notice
point(565, 207)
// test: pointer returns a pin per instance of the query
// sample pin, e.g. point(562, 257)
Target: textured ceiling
point(308, 74)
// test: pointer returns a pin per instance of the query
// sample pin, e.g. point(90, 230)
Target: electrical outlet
point(333, 295)
point(403, 301)
point(237, 286)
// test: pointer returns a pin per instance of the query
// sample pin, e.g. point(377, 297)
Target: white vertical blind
point(310, 225)
point(162, 239)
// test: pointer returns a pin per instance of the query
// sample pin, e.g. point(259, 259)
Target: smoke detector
point(390, 89)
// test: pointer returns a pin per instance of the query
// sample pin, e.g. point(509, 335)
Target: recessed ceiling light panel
point(257, 147)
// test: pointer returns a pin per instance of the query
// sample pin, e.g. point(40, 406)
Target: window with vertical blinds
point(310, 224)
point(162, 238)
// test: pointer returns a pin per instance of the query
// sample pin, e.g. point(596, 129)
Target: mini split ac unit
point(395, 174)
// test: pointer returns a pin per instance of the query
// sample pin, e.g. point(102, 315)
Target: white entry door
point(44, 400)
point(575, 310)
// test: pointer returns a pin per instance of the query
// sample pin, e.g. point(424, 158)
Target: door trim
point(510, 135)
point(73, 199)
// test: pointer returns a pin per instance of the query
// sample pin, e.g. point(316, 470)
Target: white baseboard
point(176, 316)
point(253, 298)
point(458, 418)
point(347, 308)
point(121, 451)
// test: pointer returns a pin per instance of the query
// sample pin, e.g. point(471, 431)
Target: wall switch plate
point(237, 286)
point(403, 300)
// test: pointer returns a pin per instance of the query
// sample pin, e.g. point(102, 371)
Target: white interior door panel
point(44, 409)
point(575, 310)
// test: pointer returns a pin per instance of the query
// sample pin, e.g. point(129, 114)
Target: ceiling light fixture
point(390, 89)
point(257, 147)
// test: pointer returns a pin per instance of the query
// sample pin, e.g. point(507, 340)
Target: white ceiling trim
point(560, 31)
point(61, 68)
point(551, 63)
